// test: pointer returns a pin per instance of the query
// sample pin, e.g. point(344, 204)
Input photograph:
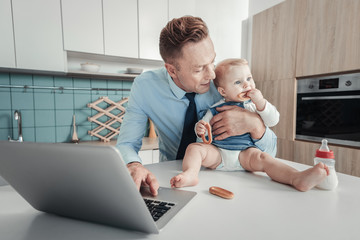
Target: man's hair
point(177, 33)
point(224, 66)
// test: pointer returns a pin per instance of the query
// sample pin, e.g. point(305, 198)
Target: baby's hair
point(224, 67)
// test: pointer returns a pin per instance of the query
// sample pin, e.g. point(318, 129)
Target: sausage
point(221, 192)
point(208, 128)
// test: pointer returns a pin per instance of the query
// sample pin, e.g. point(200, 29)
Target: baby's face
point(236, 83)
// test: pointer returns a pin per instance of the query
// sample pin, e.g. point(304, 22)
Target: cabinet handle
point(330, 97)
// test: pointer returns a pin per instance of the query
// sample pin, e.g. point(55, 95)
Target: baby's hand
point(200, 128)
point(257, 98)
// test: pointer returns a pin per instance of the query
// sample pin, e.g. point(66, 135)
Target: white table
point(261, 209)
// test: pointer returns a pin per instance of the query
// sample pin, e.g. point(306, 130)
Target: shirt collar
point(178, 92)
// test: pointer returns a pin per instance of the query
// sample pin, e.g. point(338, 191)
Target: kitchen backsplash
point(47, 114)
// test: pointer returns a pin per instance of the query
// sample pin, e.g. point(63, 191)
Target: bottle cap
point(324, 151)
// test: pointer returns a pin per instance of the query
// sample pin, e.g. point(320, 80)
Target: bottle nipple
point(324, 147)
point(324, 151)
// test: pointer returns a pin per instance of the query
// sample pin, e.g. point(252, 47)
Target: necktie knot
point(190, 96)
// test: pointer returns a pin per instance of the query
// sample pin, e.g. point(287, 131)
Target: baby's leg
point(252, 159)
point(196, 155)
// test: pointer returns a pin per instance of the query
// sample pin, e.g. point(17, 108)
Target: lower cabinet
point(149, 156)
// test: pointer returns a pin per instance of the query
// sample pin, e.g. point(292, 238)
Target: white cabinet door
point(155, 156)
point(225, 23)
point(121, 28)
point(38, 35)
point(7, 51)
point(146, 156)
point(153, 16)
point(83, 26)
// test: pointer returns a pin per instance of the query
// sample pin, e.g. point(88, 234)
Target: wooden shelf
point(118, 76)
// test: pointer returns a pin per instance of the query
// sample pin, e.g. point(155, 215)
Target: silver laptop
point(86, 182)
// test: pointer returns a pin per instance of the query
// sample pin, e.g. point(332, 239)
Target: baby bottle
point(326, 156)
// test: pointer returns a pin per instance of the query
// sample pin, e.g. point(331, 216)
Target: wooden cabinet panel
point(274, 42)
point(285, 149)
point(328, 38)
point(281, 93)
point(347, 159)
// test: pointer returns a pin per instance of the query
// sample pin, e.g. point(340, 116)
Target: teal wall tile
point(64, 101)
point(22, 100)
point(44, 118)
point(81, 83)
point(45, 134)
point(82, 131)
point(5, 119)
point(64, 117)
point(63, 134)
point(4, 133)
point(95, 83)
point(65, 82)
point(28, 134)
point(81, 100)
point(4, 80)
point(43, 81)
point(44, 100)
point(82, 117)
point(21, 80)
point(27, 118)
point(114, 84)
point(5, 100)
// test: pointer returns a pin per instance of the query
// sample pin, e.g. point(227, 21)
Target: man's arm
point(234, 120)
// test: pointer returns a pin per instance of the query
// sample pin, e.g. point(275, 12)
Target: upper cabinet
point(274, 39)
point(121, 28)
point(329, 37)
point(83, 25)
point(153, 16)
point(7, 50)
point(38, 35)
point(225, 23)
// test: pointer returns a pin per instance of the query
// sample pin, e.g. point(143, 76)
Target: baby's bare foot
point(311, 177)
point(184, 179)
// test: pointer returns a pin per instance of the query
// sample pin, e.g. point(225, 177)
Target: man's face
point(194, 70)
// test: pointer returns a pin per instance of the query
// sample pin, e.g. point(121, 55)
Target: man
point(189, 55)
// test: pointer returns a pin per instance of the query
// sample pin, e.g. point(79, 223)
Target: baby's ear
point(221, 91)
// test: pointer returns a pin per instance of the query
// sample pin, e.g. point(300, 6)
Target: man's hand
point(143, 177)
point(234, 120)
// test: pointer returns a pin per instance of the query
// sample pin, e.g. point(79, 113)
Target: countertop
point(261, 209)
point(147, 143)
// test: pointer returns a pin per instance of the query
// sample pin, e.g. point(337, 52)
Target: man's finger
point(153, 183)
point(222, 136)
point(137, 183)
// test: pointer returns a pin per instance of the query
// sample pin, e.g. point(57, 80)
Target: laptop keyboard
point(158, 208)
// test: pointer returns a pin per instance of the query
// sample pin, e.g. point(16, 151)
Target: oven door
point(331, 115)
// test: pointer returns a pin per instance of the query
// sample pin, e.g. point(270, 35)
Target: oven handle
point(331, 97)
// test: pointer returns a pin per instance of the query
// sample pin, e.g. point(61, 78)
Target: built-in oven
point(329, 107)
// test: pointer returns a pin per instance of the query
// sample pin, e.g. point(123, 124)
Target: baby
point(235, 83)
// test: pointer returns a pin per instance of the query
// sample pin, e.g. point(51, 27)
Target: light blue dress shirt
point(154, 95)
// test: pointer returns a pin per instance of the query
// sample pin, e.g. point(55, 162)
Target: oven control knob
point(311, 86)
point(348, 83)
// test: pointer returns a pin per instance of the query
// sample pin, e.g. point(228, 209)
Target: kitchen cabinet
point(274, 39)
point(121, 28)
point(225, 26)
point(153, 16)
point(7, 47)
point(149, 156)
point(328, 38)
point(83, 25)
point(38, 35)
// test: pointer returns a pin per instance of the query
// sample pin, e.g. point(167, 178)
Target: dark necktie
point(188, 135)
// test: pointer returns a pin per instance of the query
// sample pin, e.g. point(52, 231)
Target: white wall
point(256, 6)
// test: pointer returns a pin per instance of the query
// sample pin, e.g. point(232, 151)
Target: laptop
point(86, 182)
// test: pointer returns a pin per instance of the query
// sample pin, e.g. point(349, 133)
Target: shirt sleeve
point(133, 128)
point(267, 143)
point(269, 115)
